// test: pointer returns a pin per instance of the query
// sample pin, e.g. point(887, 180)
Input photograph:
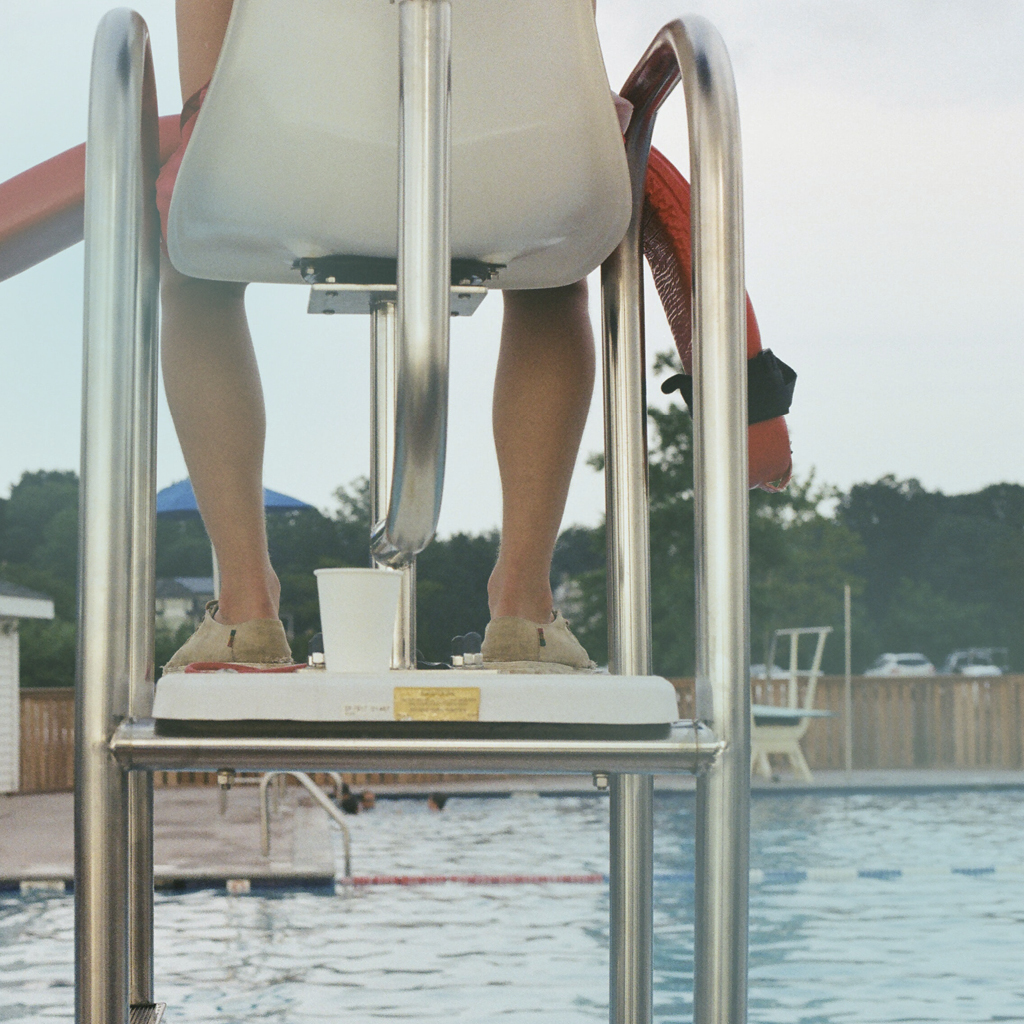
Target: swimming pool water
point(936, 947)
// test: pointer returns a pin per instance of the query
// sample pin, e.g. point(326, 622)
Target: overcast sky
point(883, 153)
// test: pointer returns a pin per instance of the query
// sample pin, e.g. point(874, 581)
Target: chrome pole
point(631, 825)
point(691, 50)
point(688, 746)
point(142, 652)
point(424, 279)
point(383, 389)
point(140, 888)
point(121, 236)
point(721, 510)
point(142, 590)
point(847, 684)
point(631, 898)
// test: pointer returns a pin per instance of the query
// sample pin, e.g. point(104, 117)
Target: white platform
point(314, 695)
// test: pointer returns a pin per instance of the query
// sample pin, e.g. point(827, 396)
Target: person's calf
point(244, 597)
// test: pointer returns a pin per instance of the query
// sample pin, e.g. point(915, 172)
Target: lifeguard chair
point(484, 155)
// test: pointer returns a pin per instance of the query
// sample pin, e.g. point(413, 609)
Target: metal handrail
point(383, 401)
point(689, 747)
point(690, 51)
point(319, 796)
point(113, 855)
point(424, 281)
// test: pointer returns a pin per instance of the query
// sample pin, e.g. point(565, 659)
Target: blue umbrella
point(178, 501)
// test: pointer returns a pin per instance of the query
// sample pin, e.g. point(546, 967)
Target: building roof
point(186, 587)
point(169, 587)
point(17, 602)
point(16, 590)
point(198, 585)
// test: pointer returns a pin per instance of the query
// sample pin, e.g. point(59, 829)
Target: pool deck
point(197, 846)
point(194, 844)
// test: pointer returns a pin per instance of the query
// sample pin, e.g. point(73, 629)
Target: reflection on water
point(943, 948)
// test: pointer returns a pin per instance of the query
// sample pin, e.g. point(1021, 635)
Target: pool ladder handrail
point(333, 811)
point(115, 685)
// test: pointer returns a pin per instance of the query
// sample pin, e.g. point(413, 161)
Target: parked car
point(901, 665)
point(760, 671)
point(976, 661)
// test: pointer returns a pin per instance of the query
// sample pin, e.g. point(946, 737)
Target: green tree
point(39, 550)
point(305, 540)
point(451, 591)
point(182, 547)
point(39, 536)
point(47, 652)
point(941, 571)
point(800, 555)
point(930, 572)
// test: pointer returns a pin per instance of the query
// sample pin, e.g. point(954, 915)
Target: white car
point(901, 665)
point(975, 661)
point(759, 671)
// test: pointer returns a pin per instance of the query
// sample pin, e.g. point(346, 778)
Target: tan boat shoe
point(512, 644)
point(258, 642)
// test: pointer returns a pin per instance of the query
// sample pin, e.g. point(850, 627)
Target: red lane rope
point(364, 880)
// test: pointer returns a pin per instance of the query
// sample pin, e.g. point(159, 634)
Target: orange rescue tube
point(667, 246)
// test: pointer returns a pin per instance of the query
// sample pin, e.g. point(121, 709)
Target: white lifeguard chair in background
point(779, 728)
point(402, 159)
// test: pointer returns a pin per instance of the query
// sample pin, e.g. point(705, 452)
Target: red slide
point(41, 209)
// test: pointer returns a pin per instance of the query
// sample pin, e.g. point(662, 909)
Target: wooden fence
point(908, 722)
point(931, 722)
point(47, 739)
point(48, 751)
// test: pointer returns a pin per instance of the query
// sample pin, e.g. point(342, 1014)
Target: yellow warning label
point(437, 703)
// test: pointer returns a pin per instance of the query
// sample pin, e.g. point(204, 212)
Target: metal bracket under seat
point(361, 298)
point(356, 284)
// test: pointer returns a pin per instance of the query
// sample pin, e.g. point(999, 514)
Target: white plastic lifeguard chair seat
point(295, 151)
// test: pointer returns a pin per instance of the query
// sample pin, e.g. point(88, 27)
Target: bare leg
point(201, 26)
point(542, 394)
point(213, 384)
point(216, 400)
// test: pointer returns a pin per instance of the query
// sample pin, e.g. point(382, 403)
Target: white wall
point(10, 717)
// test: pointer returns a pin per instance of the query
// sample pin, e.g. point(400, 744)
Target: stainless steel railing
point(424, 281)
point(319, 796)
point(383, 402)
point(690, 51)
point(116, 547)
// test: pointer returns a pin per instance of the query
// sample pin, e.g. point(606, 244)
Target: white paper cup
point(358, 609)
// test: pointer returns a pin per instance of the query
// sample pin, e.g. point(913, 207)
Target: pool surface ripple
point(836, 936)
